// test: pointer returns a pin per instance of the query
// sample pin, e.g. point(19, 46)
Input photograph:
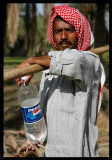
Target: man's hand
point(18, 80)
point(28, 142)
point(42, 60)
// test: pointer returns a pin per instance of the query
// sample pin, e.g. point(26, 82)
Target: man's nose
point(64, 34)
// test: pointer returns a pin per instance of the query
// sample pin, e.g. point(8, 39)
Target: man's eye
point(69, 30)
point(58, 31)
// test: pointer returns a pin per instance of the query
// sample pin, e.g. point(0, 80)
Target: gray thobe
point(69, 97)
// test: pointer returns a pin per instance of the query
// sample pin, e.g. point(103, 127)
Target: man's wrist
point(42, 60)
point(31, 60)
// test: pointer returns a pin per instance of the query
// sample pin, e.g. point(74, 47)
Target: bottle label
point(32, 114)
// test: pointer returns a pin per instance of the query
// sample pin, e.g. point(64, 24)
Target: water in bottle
point(34, 121)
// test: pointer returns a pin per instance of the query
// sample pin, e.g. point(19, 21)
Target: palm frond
point(12, 22)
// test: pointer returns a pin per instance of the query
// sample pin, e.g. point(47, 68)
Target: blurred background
point(26, 33)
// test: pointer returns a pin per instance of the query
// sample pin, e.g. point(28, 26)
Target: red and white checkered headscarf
point(76, 19)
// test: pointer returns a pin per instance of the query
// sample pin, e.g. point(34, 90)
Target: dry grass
point(103, 129)
point(103, 126)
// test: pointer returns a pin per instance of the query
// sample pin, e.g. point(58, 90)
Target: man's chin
point(63, 47)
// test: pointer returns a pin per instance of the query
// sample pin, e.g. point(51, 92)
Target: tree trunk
point(31, 28)
point(46, 17)
point(5, 19)
point(101, 33)
point(47, 12)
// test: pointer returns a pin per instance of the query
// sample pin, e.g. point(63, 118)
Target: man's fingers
point(28, 79)
point(19, 81)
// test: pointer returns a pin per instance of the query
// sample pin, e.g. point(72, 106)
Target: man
point(69, 89)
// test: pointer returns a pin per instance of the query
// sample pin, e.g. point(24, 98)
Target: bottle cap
point(24, 78)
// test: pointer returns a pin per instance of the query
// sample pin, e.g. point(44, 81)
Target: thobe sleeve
point(76, 65)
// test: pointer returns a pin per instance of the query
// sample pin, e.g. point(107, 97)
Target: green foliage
point(14, 60)
point(104, 57)
point(21, 28)
point(6, 45)
point(40, 27)
point(42, 47)
point(18, 49)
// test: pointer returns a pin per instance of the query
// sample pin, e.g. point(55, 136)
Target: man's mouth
point(65, 43)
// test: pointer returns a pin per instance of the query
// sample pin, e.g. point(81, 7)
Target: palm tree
point(47, 11)
point(12, 21)
point(101, 33)
point(11, 11)
point(31, 27)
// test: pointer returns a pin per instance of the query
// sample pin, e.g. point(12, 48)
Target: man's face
point(64, 35)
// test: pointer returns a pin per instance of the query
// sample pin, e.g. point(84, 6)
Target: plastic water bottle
point(34, 122)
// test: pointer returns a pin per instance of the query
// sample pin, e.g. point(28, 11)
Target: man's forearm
point(42, 60)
